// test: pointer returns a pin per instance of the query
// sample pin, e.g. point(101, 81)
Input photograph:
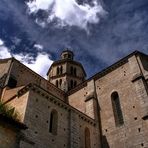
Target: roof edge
point(106, 70)
point(63, 60)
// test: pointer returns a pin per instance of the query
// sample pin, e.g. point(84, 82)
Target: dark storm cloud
point(124, 29)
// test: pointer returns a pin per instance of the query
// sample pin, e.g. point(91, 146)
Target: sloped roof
point(107, 70)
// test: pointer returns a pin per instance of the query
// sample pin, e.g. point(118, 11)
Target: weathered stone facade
point(109, 109)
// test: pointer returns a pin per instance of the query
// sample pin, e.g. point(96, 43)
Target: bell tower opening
point(67, 54)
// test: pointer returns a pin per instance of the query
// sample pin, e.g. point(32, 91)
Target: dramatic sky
point(99, 32)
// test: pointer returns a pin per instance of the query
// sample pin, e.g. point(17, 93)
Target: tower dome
point(67, 54)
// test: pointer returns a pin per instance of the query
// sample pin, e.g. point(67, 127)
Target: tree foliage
point(8, 111)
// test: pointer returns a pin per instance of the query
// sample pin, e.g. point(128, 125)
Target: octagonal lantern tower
point(66, 73)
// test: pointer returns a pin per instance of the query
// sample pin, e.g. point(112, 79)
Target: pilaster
point(140, 85)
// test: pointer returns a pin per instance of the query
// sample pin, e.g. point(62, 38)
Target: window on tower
point(58, 70)
point(57, 83)
point(60, 83)
point(75, 83)
point(75, 72)
point(61, 69)
point(71, 70)
point(71, 83)
point(65, 56)
point(69, 56)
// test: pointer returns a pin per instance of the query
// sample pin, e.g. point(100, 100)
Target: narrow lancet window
point(87, 138)
point(61, 69)
point(75, 83)
point(53, 122)
point(75, 72)
point(71, 84)
point(71, 70)
point(117, 109)
point(58, 70)
point(60, 82)
point(57, 83)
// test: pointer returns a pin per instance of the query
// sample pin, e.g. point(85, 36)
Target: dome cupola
point(67, 54)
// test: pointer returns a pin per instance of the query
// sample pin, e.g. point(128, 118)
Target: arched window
point(12, 82)
point(58, 70)
point(117, 109)
point(75, 83)
point(71, 83)
point(60, 82)
point(87, 138)
point(75, 72)
point(71, 70)
point(53, 124)
point(61, 69)
point(57, 83)
point(69, 56)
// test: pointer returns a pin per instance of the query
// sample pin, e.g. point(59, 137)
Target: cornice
point(106, 71)
point(50, 85)
point(57, 101)
point(116, 65)
point(65, 74)
point(62, 104)
point(77, 88)
point(66, 61)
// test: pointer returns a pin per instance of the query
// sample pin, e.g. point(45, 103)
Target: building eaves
point(115, 65)
point(53, 99)
point(66, 61)
point(61, 103)
point(7, 59)
point(67, 50)
point(106, 71)
point(61, 91)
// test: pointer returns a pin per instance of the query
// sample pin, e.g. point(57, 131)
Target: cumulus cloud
point(67, 12)
point(4, 52)
point(38, 47)
point(40, 64)
point(1, 42)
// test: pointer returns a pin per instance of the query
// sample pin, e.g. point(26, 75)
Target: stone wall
point(9, 132)
point(4, 66)
point(77, 99)
point(19, 103)
point(77, 132)
point(71, 123)
point(133, 133)
point(24, 76)
point(8, 136)
point(84, 99)
point(37, 119)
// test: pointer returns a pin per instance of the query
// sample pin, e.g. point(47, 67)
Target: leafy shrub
point(8, 111)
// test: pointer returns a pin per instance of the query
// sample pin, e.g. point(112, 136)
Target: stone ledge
point(137, 77)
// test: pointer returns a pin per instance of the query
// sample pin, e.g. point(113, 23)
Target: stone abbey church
point(108, 110)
